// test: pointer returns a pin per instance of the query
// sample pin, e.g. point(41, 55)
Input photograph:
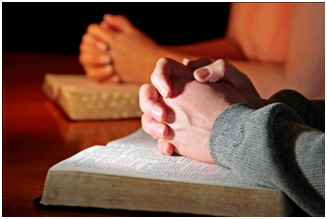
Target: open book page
point(137, 156)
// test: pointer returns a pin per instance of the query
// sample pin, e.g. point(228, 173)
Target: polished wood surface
point(37, 134)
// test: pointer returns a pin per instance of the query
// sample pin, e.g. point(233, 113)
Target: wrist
point(173, 52)
point(227, 133)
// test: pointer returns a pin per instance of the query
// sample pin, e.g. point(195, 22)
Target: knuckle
point(84, 37)
point(143, 88)
point(153, 77)
point(91, 27)
point(163, 61)
point(81, 47)
point(144, 121)
point(81, 59)
point(146, 106)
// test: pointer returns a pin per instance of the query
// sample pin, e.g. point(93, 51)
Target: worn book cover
point(84, 99)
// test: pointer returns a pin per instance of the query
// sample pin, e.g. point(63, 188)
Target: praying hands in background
point(277, 45)
point(117, 37)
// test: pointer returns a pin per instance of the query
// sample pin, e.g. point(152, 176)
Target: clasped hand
point(107, 47)
point(183, 101)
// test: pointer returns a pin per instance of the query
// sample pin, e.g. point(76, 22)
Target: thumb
point(224, 71)
point(118, 22)
point(213, 72)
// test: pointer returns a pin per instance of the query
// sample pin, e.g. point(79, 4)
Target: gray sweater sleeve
point(278, 146)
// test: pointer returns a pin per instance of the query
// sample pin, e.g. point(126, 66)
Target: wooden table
point(36, 134)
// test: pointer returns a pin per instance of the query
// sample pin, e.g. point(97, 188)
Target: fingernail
point(221, 65)
point(203, 73)
point(102, 46)
point(158, 131)
point(163, 89)
point(105, 59)
point(186, 61)
point(108, 70)
point(169, 150)
point(116, 78)
point(156, 113)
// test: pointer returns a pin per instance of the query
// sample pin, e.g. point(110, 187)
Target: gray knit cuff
point(228, 132)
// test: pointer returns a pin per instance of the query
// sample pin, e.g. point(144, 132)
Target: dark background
point(58, 27)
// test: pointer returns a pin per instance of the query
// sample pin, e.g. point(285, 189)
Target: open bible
point(130, 173)
point(84, 99)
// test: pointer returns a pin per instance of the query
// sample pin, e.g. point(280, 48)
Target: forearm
point(267, 78)
point(274, 148)
point(311, 112)
point(213, 49)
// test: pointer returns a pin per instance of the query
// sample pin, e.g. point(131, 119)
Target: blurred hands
point(180, 111)
point(115, 50)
